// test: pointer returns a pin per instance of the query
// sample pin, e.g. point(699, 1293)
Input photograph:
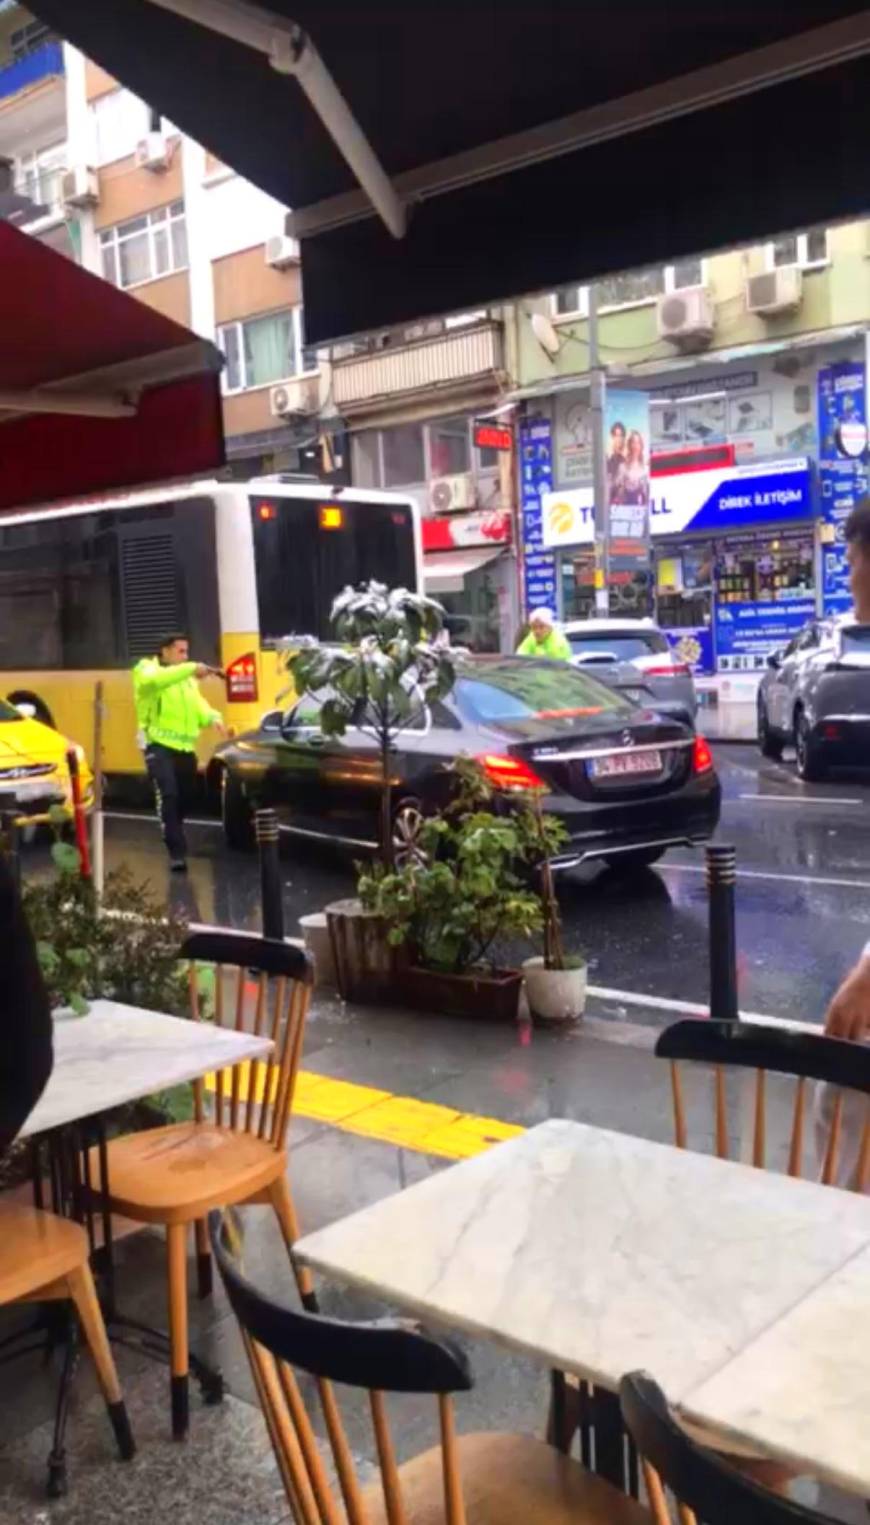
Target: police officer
point(170, 713)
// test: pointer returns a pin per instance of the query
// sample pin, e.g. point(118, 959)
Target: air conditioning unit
point(281, 251)
point(775, 291)
point(447, 495)
point(294, 398)
point(686, 317)
point(152, 152)
point(79, 186)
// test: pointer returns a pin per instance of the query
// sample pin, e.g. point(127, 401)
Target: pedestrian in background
point(170, 714)
point(543, 639)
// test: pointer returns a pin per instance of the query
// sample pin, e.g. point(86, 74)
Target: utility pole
point(597, 405)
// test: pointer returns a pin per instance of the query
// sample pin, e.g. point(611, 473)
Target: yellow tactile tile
point(401, 1120)
point(467, 1136)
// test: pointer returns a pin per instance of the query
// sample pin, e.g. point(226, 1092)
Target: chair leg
point(176, 1256)
point(203, 1259)
point(282, 1202)
point(83, 1293)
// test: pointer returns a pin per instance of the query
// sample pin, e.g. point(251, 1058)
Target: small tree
point(386, 667)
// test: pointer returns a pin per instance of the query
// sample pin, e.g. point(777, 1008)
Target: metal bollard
point(271, 901)
point(721, 875)
point(79, 821)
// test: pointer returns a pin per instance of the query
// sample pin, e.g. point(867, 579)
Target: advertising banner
point(721, 500)
point(843, 469)
point(536, 478)
point(626, 430)
point(746, 634)
point(693, 644)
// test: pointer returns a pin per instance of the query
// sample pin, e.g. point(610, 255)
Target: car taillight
point(509, 773)
point(702, 757)
point(242, 680)
point(670, 670)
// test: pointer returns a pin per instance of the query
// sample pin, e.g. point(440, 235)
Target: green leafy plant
point(471, 888)
point(388, 663)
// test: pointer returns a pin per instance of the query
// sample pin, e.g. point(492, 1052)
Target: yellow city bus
point(88, 588)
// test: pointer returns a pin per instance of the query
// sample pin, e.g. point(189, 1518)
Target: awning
point(444, 156)
point(97, 391)
point(446, 571)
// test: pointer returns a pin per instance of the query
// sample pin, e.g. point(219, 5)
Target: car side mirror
point(774, 661)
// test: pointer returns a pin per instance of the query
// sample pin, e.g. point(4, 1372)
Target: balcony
point(45, 62)
point(462, 361)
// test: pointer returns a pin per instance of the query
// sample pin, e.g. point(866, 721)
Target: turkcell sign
point(718, 501)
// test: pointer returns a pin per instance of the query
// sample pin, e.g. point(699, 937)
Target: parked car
point(629, 783)
point(33, 769)
point(816, 694)
point(634, 657)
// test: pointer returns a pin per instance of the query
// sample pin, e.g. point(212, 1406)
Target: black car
point(627, 782)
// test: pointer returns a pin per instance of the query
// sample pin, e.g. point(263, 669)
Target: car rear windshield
point(855, 638)
point(625, 645)
point(8, 711)
point(525, 690)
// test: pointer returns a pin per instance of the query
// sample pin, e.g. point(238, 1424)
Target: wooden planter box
point(365, 963)
point(494, 997)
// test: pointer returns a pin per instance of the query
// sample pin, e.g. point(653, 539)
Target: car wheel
point(629, 863)
point(238, 821)
point(769, 744)
point(408, 822)
point(810, 766)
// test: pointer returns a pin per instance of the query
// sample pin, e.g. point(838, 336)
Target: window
point(27, 39)
point(263, 350)
point(514, 692)
point(622, 645)
point(449, 447)
point(120, 120)
point(403, 455)
point(145, 247)
point(805, 249)
point(38, 176)
point(630, 288)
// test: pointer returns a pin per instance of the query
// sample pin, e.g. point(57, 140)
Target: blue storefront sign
point(693, 644)
point(843, 469)
point(536, 469)
point(747, 633)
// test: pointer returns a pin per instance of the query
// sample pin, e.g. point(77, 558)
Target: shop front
point(735, 551)
point(469, 566)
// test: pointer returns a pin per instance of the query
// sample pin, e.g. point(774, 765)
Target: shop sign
point(626, 422)
point(746, 634)
point(536, 478)
point(493, 437)
point(719, 501)
point(462, 530)
point(693, 644)
point(843, 469)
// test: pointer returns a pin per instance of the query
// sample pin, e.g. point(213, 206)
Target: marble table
point(599, 1253)
point(117, 1054)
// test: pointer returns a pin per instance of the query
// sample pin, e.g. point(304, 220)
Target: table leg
point(57, 1474)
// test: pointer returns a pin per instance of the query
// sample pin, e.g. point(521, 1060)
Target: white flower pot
point(318, 942)
point(555, 995)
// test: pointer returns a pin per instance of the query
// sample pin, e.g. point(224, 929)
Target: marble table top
point(600, 1253)
point(801, 1391)
point(117, 1053)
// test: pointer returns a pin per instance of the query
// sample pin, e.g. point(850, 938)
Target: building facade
point(754, 364)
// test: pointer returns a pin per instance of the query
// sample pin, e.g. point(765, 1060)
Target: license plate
point(623, 763)
point(25, 790)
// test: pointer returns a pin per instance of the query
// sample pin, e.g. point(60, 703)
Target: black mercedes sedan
point(627, 783)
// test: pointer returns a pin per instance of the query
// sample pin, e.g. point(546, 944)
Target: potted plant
point(386, 664)
point(458, 903)
point(555, 981)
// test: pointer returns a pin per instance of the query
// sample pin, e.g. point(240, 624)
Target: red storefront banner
point(461, 530)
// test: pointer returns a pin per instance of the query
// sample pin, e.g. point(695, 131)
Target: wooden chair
point(43, 1258)
point(175, 1175)
point(705, 1488)
point(485, 1479)
point(806, 1056)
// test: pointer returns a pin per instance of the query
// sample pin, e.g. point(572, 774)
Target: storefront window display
point(472, 617)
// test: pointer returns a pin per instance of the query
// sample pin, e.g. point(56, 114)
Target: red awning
point(97, 391)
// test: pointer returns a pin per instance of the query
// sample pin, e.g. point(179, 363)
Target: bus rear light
point(242, 687)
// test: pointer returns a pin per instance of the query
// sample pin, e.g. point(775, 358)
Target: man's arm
point(26, 1055)
point(848, 1015)
point(153, 677)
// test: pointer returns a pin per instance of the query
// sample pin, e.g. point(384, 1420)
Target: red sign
point(493, 437)
point(466, 529)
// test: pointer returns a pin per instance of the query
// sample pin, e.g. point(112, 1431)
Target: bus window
point(305, 553)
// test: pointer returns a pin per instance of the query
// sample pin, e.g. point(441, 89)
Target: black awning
point(428, 82)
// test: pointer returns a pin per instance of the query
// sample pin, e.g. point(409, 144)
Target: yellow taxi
point(33, 768)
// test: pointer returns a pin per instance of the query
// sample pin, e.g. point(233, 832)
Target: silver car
point(634, 656)
point(816, 694)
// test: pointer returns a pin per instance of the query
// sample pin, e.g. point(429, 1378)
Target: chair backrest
point(806, 1056)
point(705, 1487)
point(261, 986)
point(385, 1356)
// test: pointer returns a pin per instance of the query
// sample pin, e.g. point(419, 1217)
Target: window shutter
point(150, 592)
